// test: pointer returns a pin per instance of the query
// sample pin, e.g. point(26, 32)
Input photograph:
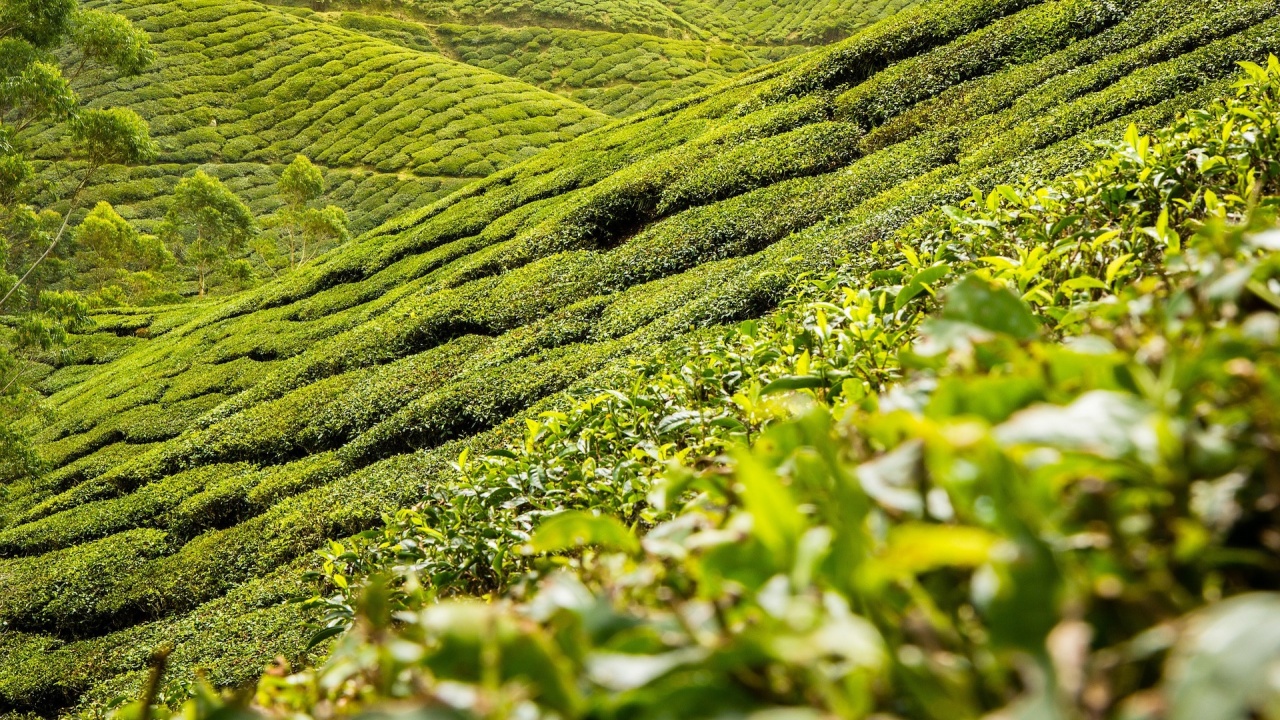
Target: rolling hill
point(754, 22)
point(199, 454)
point(240, 88)
point(619, 58)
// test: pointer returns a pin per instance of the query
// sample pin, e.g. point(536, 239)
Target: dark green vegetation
point(199, 454)
point(1031, 435)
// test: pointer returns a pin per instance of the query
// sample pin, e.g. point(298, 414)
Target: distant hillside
point(199, 454)
point(617, 57)
point(617, 74)
point(244, 87)
point(759, 22)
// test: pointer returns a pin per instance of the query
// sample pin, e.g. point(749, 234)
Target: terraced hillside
point(757, 22)
point(618, 73)
point(243, 87)
point(617, 57)
point(198, 455)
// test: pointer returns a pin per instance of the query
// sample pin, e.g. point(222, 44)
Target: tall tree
point(211, 221)
point(113, 253)
point(301, 228)
point(102, 137)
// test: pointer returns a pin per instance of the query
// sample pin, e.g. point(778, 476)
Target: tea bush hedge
point(618, 74)
point(1032, 434)
point(238, 89)
point(743, 21)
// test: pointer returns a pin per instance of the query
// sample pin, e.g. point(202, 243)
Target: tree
point(320, 226)
point(102, 137)
point(302, 228)
point(34, 92)
point(211, 221)
point(32, 88)
point(114, 254)
point(109, 40)
point(301, 183)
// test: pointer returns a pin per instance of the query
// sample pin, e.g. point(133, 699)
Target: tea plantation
point(617, 74)
point(617, 58)
point(199, 455)
point(242, 88)
point(744, 21)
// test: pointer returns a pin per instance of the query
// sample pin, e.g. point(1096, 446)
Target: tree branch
point(65, 220)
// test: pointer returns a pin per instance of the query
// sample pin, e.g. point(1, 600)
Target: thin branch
point(13, 380)
point(56, 238)
point(267, 262)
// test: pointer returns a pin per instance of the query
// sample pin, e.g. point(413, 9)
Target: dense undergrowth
point(1020, 456)
point(196, 456)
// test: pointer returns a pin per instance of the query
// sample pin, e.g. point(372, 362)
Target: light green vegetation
point(1000, 434)
point(142, 193)
point(413, 35)
point(757, 22)
point(605, 56)
point(199, 454)
point(616, 74)
point(808, 21)
point(240, 88)
point(238, 81)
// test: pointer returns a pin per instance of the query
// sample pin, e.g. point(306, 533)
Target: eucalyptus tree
point(210, 222)
point(114, 255)
point(302, 228)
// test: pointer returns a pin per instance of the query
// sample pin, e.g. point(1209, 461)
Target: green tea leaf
point(572, 529)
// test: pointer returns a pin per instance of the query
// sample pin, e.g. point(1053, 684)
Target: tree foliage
point(211, 222)
point(33, 90)
point(118, 261)
point(304, 230)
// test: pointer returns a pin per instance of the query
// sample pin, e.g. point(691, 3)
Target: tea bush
point(753, 21)
point(619, 74)
point(1033, 437)
point(239, 89)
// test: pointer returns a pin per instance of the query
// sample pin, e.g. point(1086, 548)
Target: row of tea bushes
point(243, 82)
point(1030, 434)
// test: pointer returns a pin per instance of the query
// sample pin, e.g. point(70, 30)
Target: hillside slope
point(199, 454)
point(757, 22)
point(618, 73)
point(240, 88)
